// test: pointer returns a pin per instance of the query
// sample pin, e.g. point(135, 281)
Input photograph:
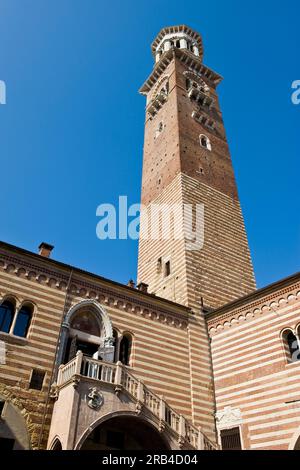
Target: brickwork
point(252, 374)
point(177, 170)
point(160, 329)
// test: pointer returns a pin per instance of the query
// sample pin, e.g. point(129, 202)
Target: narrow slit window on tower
point(37, 379)
point(167, 268)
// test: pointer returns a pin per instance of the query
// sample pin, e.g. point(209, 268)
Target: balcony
point(121, 390)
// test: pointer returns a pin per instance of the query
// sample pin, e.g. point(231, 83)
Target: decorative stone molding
point(159, 85)
point(229, 417)
point(98, 310)
point(253, 310)
point(88, 290)
point(192, 63)
point(196, 77)
point(33, 429)
point(94, 399)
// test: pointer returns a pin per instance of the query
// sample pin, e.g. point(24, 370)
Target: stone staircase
point(122, 380)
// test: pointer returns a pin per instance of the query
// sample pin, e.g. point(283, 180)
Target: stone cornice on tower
point(187, 58)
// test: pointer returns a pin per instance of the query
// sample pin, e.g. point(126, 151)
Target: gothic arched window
point(23, 321)
point(7, 311)
point(125, 349)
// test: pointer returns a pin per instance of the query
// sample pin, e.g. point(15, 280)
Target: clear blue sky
point(72, 128)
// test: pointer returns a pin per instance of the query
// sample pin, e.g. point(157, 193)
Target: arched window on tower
point(205, 142)
point(7, 311)
point(178, 43)
point(291, 346)
point(125, 349)
point(23, 321)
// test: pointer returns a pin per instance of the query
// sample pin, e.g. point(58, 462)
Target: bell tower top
point(180, 37)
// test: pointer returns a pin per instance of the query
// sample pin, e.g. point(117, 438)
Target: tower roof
point(175, 30)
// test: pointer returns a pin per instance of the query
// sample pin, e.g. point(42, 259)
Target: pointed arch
point(193, 77)
point(98, 311)
point(162, 85)
point(56, 444)
point(74, 339)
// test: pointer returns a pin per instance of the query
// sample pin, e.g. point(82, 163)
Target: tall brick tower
point(187, 161)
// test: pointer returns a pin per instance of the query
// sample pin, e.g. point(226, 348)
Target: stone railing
point(118, 375)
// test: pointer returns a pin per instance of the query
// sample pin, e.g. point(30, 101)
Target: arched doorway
point(124, 433)
point(297, 445)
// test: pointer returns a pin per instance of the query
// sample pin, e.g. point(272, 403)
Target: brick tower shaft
point(187, 162)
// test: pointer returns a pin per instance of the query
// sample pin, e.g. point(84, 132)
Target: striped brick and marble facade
point(257, 385)
point(179, 170)
point(163, 336)
point(193, 357)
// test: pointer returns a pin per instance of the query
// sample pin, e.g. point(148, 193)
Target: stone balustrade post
point(200, 445)
point(79, 357)
point(59, 378)
point(182, 430)
point(118, 374)
point(140, 391)
point(162, 409)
